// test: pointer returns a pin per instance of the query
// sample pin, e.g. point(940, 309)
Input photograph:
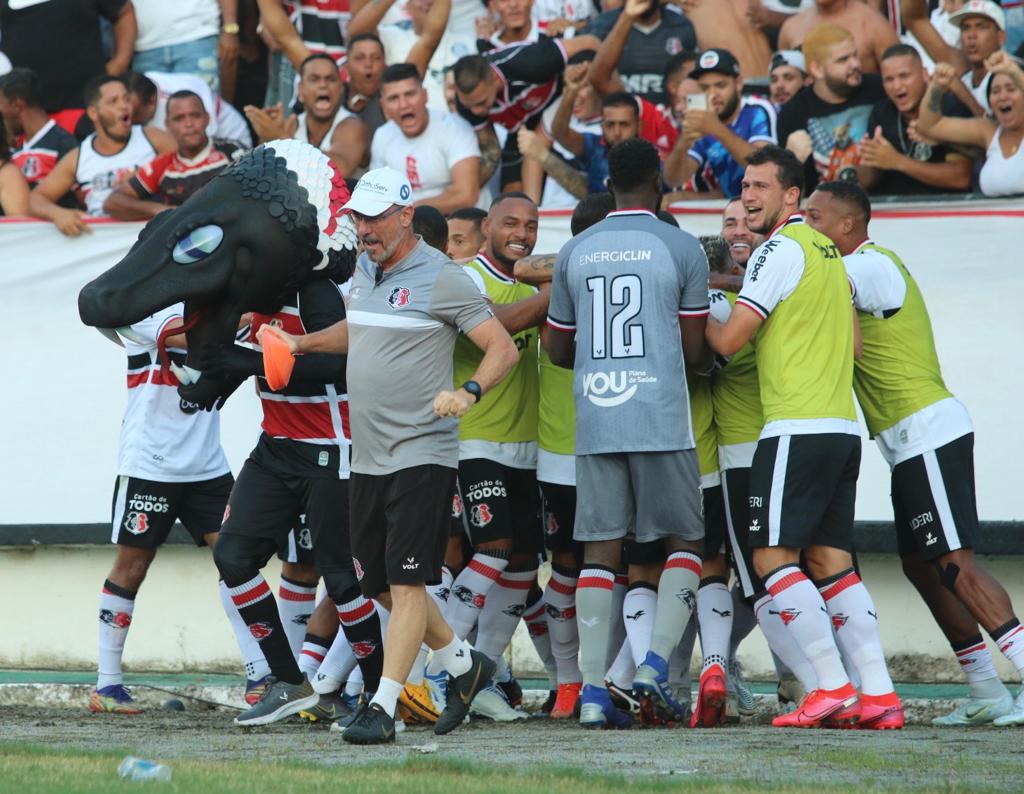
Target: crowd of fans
point(469, 99)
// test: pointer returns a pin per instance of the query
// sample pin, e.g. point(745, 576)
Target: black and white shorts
point(934, 502)
point(144, 511)
point(269, 504)
point(714, 521)
point(559, 514)
point(646, 495)
point(735, 496)
point(400, 524)
point(803, 489)
point(501, 503)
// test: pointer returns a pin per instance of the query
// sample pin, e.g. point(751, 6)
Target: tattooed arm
point(535, 269)
point(490, 153)
point(931, 122)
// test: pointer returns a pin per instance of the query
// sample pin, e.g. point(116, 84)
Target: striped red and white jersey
point(163, 437)
point(38, 156)
point(323, 25)
point(309, 412)
point(170, 178)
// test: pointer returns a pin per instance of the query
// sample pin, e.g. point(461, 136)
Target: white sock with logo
point(470, 589)
point(714, 612)
point(454, 657)
point(638, 608)
point(505, 605)
point(387, 695)
point(295, 604)
point(115, 618)
point(337, 666)
point(256, 666)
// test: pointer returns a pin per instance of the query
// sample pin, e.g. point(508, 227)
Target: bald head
point(842, 212)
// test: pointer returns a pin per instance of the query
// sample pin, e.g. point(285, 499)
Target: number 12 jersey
point(621, 287)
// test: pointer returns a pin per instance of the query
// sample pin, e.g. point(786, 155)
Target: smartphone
point(696, 101)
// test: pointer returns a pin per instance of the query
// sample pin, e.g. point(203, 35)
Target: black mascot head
point(245, 242)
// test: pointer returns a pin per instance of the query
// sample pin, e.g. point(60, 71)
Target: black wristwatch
point(473, 388)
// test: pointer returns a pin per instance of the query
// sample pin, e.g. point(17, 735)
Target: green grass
point(34, 768)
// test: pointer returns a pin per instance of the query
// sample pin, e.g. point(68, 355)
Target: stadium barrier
point(66, 393)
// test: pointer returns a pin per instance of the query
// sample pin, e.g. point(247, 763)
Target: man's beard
point(730, 108)
point(841, 87)
point(384, 252)
point(112, 136)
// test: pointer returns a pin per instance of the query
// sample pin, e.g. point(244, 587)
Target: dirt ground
point(925, 757)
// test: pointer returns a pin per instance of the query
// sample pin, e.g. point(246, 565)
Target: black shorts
point(714, 521)
point(144, 511)
point(803, 489)
point(501, 503)
point(735, 499)
point(933, 500)
point(401, 523)
point(268, 504)
point(650, 553)
point(297, 548)
point(458, 527)
point(559, 517)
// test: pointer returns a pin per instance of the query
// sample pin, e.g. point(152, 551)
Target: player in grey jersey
point(634, 291)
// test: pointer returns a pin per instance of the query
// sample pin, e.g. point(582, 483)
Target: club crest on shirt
point(399, 298)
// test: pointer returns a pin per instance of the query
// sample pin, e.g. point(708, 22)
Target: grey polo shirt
point(402, 335)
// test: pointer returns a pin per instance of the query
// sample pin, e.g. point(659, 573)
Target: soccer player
point(498, 448)
point(633, 293)
point(803, 478)
point(925, 435)
point(170, 466)
point(556, 475)
point(300, 466)
point(464, 236)
point(407, 304)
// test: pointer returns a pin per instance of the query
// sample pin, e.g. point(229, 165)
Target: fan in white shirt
point(436, 150)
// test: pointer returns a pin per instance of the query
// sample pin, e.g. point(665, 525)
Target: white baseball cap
point(980, 8)
point(793, 58)
point(378, 190)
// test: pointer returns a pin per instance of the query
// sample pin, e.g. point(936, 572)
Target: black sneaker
point(371, 726)
point(549, 703)
point(512, 691)
point(280, 700)
point(462, 690)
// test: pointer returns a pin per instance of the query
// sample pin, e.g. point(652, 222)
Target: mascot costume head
point(245, 242)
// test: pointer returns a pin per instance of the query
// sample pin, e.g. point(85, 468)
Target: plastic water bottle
point(139, 769)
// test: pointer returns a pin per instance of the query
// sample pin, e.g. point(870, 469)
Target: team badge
point(480, 515)
point(261, 630)
point(358, 568)
point(839, 620)
point(136, 523)
point(227, 514)
point(467, 596)
point(399, 298)
point(119, 620)
point(363, 648)
point(456, 506)
point(551, 524)
point(674, 46)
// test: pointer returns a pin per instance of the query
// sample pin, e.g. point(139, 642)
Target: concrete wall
point(49, 620)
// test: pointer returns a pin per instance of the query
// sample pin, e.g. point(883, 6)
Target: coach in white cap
point(407, 305)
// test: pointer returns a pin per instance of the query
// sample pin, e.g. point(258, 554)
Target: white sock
point(502, 612)
point(677, 597)
point(803, 612)
point(638, 608)
point(354, 685)
point(115, 618)
point(560, 600)
point(454, 657)
point(682, 656)
point(1010, 639)
point(618, 633)
point(256, 666)
point(441, 592)
point(469, 591)
point(976, 661)
point(536, 619)
point(783, 644)
point(387, 695)
point(714, 612)
point(314, 651)
point(855, 623)
point(743, 620)
point(622, 669)
point(295, 603)
point(338, 664)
